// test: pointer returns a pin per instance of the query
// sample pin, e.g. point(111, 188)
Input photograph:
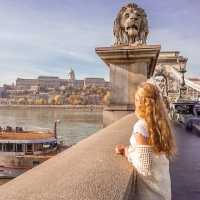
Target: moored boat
point(22, 150)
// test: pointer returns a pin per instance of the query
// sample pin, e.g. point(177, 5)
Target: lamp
point(182, 64)
point(182, 69)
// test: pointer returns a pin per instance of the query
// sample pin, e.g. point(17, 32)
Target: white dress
point(153, 178)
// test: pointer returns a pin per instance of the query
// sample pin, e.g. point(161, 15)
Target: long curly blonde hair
point(150, 107)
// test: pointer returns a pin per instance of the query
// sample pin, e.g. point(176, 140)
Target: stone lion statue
point(130, 26)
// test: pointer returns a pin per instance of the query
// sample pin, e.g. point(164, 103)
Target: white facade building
point(52, 82)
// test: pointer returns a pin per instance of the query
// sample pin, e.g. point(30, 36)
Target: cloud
point(50, 37)
point(46, 47)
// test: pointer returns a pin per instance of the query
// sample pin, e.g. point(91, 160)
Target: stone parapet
point(89, 170)
point(123, 55)
point(167, 57)
point(129, 65)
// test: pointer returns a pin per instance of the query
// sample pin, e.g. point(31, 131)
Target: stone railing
point(89, 170)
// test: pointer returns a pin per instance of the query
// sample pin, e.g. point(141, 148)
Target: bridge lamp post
point(182, 69)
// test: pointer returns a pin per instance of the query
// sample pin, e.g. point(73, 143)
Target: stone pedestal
point(129, 66)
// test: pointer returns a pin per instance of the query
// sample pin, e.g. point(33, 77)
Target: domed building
point(71, 75)
point(71, 80)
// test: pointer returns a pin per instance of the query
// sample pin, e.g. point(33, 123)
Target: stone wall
point(89, 170)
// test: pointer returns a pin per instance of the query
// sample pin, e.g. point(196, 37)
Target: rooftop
point(94, 78)
point(48, 77)
point(27, 135)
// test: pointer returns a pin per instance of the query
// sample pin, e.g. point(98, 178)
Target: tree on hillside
point(57, 100)
point(75, 100)
point(107, 98)
point(41, 101)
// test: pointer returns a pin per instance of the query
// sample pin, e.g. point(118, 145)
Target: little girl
point(151, 145)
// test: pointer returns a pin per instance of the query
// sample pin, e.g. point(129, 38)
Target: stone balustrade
point(90, 170)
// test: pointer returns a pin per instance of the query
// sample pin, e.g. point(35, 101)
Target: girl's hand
point(120, 149)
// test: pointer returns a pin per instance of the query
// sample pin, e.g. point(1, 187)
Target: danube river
point(74, 125)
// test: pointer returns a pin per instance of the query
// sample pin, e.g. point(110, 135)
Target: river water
point(74, 125)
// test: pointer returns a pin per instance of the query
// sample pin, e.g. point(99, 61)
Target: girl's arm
point(140, 139)
point(123, 150)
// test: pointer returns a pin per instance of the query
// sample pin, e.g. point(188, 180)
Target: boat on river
point(22, 150)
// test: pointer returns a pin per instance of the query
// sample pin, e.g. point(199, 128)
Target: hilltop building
point(41, 81)
point(52, 82)
point(2, 90)
point(25, 84)
point(71, 80)
point(94, 82)
point(71, 75)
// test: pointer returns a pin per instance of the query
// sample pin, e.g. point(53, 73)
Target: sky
point(48, 37)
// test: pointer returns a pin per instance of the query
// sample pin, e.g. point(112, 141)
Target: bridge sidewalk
point(185, 169)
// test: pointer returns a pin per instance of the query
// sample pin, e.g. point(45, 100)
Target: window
point(38, 147)
point(29, 148)
point(9, 147)
point(19, 148)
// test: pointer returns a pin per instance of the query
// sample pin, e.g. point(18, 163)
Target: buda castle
point(52, 82)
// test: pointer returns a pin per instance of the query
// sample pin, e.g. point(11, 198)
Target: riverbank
point(70, 107)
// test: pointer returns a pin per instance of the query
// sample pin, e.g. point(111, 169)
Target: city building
point(75, 83)
point(9, 87)
point(52, 82)
point(71, 80)
point(108, 84)
point(99, 82)
point(71, 75)
point(25, 84)
point(2, 90)
point(49, 82)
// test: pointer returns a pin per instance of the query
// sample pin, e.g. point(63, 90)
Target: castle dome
point(71, 75)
